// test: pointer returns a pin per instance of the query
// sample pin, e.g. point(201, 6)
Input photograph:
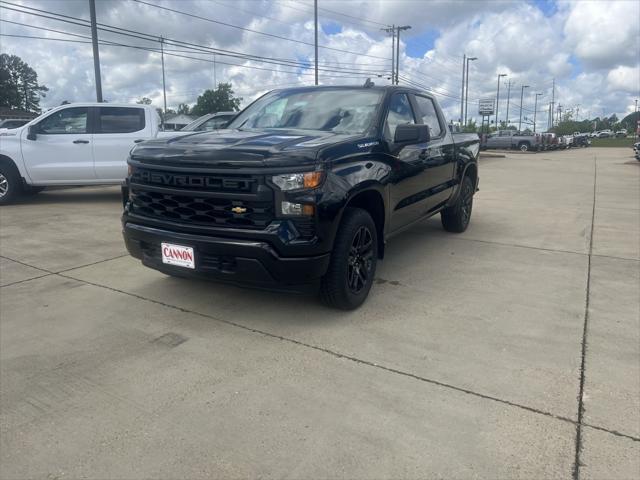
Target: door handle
point(80, 141)
point(138, 140)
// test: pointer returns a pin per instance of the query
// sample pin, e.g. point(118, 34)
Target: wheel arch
point(372, 201)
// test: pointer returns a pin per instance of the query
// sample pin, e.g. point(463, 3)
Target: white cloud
point(604, 34)
point(624, 78)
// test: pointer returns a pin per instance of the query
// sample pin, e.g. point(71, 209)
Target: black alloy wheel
point(360, 260)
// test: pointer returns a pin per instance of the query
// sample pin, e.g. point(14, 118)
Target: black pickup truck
point(302, 189)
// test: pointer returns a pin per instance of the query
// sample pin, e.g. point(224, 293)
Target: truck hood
point(241, 148)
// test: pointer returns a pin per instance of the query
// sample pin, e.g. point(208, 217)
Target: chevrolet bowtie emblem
point(238, 209)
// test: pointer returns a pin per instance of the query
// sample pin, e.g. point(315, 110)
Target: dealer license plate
point(178, 255)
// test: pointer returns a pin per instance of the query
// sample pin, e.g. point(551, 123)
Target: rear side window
point(400, 113)
point(67, 121)
point(429, 115)
point(120, 120)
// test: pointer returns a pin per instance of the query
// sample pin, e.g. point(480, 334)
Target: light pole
point(498, 97)
point(535, 110)
point(521, 97)
point(464, 62)
point(506, 120)
point(466, 97)
point(404, 27)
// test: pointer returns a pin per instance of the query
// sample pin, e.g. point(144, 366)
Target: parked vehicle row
point(511, 139)
point(636, 150)
point(609, 134)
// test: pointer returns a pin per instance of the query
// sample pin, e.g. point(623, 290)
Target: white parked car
point(74, 144)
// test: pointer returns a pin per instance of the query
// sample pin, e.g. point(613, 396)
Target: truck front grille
point(194, 181)
point(191, 208)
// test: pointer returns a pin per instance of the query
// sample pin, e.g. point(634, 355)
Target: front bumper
point(243, 262)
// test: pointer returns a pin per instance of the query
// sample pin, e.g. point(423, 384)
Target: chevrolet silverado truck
point(302, 189)
point(74, 144)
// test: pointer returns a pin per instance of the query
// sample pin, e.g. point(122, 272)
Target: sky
point(590, 48)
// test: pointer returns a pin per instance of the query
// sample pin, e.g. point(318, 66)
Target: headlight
point(297, 181)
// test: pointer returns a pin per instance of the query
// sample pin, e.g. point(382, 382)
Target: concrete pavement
point(467, 360)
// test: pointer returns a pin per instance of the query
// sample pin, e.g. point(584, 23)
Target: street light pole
point(464, 61)
point(404, 27)
point(315, 12)
point(521, 97)
point(535, 111)
point(506, 120)
point(466, 97)
point(164, 87)
point(498, 97)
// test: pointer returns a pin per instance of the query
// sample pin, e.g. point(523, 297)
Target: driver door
point(62, 152)
point(409, 176)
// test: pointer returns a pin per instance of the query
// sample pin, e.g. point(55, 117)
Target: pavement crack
point(332, 352)
point(585, 327)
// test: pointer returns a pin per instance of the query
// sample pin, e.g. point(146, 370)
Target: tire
point(10, 184)
point(523, 146)
point(456, 218)
point(353, 262)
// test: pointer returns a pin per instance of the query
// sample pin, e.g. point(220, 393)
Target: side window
point(120, 120)
point(67, 121)
point(400, 113)
point(429, 115)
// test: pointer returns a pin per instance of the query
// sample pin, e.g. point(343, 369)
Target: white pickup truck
point(74, 144)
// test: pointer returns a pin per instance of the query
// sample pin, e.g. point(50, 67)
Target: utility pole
point(315, 13)
point(96, 53)
point(466, 97)
point(164, 87)
point(578, 111)
point(498, 97)
point(464, 61)
point(508, 98)
point(215, 82)
point(521, 97)
point(559, 114)
point(399, 29)
point(553, 100)
point(535, 111)
point(392, 31)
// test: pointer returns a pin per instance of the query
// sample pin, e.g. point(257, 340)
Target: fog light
point(297, 209)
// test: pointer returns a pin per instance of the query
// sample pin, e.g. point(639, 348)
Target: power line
point(348, 16)
point(253, 31)
point(151, 38)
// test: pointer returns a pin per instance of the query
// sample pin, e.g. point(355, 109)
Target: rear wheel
point(456, 217)
point(524, 146)
point(10, 186)
point(353, 262)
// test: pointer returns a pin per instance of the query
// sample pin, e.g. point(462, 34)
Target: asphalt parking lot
point(467, 361)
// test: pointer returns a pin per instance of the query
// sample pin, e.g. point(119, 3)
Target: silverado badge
point(238, 210)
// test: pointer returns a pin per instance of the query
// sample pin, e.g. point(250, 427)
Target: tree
point(183, 109)
point(218, 100)
point(144, 101)
point(19, 86)
point(65, 102)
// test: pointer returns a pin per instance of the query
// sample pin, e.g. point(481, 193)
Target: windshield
point(330, 110)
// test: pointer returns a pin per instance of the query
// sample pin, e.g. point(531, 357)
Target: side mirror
point(32, 132)
point(411, 133)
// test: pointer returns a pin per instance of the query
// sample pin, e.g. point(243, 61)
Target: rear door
point(62, 151)
point(117, 130)
point(438, 155)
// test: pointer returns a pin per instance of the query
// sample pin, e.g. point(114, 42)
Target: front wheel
point(456, 217)
point(10, 186)
point(523, 147)
point(353, 262)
